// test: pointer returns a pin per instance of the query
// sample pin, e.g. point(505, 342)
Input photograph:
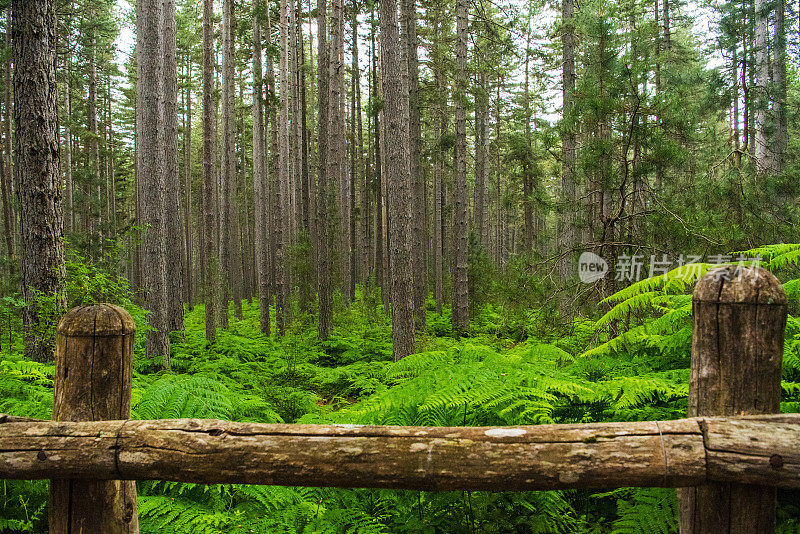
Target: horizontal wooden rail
point(761, 450)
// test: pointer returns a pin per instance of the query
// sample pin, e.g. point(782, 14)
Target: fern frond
point(184, 396)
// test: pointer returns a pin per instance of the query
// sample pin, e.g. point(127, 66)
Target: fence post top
point(97, 320)
point(736, 284)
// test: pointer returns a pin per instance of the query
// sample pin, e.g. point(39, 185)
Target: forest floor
point(491, 377)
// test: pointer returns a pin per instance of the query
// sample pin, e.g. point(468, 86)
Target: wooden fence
point(728, 458)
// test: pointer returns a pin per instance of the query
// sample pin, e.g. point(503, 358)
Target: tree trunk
point(245, 212)
point(260, 182)
point(735, 118)
point(380, 263)
point(284, 170)
point(305, 175)
point(6, 169)
point(295, 157)
point(208, 256)
point(781, 126)
point(151, 174)
point(322, 244)
point(111, 185)
point(527, 178)
point(439, 156)
point(69, 215)
point(764, 158)
point(272, 180)
point(419, 232)
point(398, 185)
point(94, 146)
point(9, 141)
point(336, 145)
point(231, 247)
point(355, 156)
point(37, 171)
point(187, 189)
point(460, 317)
point(362, 165)
point(172, 203)
point(568, 234)
point(480, 207)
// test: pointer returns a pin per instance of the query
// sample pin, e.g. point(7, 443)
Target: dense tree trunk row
point(442, 177)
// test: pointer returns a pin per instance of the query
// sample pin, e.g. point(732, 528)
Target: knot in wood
point(776, 461)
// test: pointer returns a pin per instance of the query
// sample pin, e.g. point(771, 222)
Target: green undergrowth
point(631, 364)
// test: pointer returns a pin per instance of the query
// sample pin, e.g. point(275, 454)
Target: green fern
point(180, 396)
point(646, 511)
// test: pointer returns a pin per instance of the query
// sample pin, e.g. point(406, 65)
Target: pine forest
point(414, 213)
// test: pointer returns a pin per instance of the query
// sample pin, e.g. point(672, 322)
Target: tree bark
point(94, 148)
point(6, 169)
point(260, 181)
point(781, 126)
point(355, 157)
point(460, 311)
point(208, 256)
point(336, 147)
point(419, 209)
point(172, 203)
point(231, 246)
point(305, 174)
point(764, 154)
point(398, 185)
point(362, 166)
point(480, 207)
point(152, 174)
point(188, 261)
point(759, 450)
point(322, 232)
point(568, 232)
point(37, 170)
point(439, 156)
point(283, 175)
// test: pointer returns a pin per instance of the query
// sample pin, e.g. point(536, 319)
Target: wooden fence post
point(94, 350)
point(737, 353)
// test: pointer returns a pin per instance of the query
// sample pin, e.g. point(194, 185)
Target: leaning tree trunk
point(37, 169)
point(151, 174)
point(460, 315)
point(398, 181)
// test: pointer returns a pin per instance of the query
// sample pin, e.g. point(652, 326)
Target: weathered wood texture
point(94, 346)
point(737, 352)
point(686, 452)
